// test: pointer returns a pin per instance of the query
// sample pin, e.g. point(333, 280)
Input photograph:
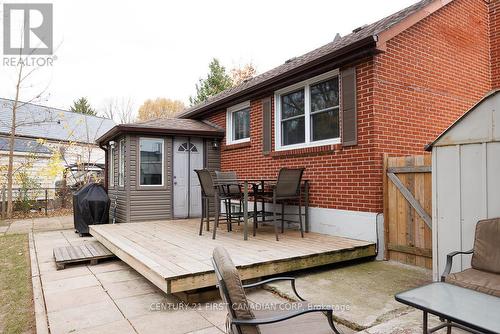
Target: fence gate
point(407, 209)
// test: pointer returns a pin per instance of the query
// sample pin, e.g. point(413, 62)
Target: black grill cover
point(90, 207)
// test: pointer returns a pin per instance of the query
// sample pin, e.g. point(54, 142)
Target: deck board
point(174, 257)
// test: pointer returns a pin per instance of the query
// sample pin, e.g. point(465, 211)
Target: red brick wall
point(340, 178)
point(429, 75)
point(495, 43)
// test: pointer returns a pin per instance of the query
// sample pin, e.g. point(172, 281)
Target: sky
point(147, 49)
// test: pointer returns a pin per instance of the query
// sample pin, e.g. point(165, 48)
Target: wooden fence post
point(3, 203)
point(46, 201)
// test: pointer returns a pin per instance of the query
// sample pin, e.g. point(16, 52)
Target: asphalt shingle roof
point(38, 121)
point(24, 145)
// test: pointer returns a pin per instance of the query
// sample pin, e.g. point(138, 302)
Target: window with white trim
point(307, 113)
point(121, 163)
point(151, 161)
point(238, 123)
point(111, 166)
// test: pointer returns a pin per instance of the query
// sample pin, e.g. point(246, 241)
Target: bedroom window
point(307, 113)
point(151, 161)
point(121, 163)
point(238, 123)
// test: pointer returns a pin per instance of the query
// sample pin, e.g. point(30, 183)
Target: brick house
point(401, 81)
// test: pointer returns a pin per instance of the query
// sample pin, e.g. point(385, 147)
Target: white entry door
point(196, 161)
point(188, 156)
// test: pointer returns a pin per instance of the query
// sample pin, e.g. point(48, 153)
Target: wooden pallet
point(91, 251)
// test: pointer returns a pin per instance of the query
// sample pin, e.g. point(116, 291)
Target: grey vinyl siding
point(212, 157)
point(153, 203)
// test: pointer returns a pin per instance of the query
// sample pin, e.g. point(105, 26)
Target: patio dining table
point(255, 182)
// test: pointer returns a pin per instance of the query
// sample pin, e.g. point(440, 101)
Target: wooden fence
point(407, 209)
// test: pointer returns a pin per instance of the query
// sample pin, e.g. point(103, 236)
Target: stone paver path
point(36, 224)
point(112, 298)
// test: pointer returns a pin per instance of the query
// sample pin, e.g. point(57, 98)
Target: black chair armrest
point(275, 279)
point(283, 317)
point(449, 262)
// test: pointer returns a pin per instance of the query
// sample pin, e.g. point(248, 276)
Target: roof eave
point(368, 42)
point(124, 128)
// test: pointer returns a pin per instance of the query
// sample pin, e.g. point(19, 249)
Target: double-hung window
point(238, 123)
point(307, 113)
point(121, 163)
point(151, 161)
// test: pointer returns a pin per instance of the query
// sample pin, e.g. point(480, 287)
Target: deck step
point(92, 252)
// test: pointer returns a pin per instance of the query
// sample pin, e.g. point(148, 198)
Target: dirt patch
point(16, 295)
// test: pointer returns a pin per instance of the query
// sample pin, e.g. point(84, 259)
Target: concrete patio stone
point(117, 327)
point(141, 305)
point(64, 300)
point(172, 322)
point(129, 288)
point(66, 273)
point(118, 276)
point(106, 266)
point(209, 330)
point(71, 283)
point(91, 315)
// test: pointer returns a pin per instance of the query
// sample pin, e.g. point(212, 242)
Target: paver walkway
point(36, 224)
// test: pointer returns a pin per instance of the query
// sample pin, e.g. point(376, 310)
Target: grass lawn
point(16, 295)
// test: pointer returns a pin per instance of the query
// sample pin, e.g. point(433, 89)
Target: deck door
point(188, 156)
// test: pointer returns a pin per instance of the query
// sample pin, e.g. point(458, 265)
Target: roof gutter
point(369, 42)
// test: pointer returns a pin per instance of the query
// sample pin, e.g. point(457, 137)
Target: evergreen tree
point(216, 81)
point(82, 106)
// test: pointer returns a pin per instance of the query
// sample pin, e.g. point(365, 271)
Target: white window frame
point(111, 166)
point(121, 162)
point(229, 123)
point(162, 162)
point(307, 113)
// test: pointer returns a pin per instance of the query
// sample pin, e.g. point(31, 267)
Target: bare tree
point(119, 109)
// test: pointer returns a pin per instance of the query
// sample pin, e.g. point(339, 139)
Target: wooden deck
point(175, 258)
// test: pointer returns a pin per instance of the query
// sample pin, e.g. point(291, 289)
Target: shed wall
point(466, 188)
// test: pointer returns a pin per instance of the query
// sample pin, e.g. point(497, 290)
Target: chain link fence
point(37, 201)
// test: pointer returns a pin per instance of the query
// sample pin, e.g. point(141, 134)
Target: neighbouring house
point(387, 88)
point(49, 143)
point(466, 181)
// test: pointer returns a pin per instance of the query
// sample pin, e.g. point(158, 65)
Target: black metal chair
point(210, 192)
point(230, 190)
point(287, 187)
point(297, 317)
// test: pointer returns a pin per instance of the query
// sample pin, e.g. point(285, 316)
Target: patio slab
point(362, 294)
point(115, 299)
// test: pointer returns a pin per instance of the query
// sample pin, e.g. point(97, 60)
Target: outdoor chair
point(208, 193)
point(287, 187)
point(230, 190)
point(298, 317)
point(484, 274)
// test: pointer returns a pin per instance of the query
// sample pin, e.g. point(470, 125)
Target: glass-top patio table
point(463, 308)
point(255, 182)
